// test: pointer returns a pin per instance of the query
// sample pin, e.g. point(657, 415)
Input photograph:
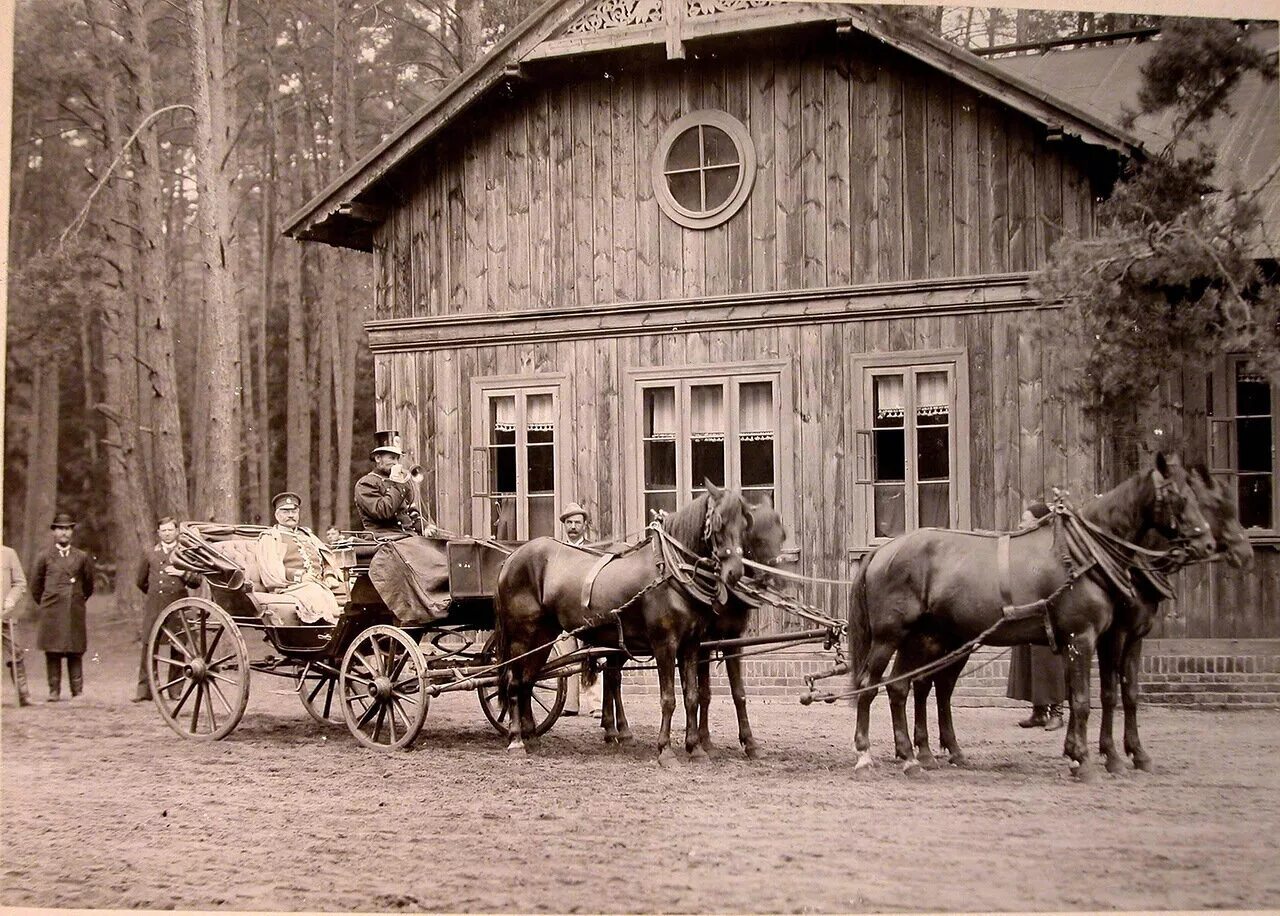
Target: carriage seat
point(273, 608)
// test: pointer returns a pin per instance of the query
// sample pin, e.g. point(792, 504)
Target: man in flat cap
point(575, 521)
point(61, 583)
point(292, 561)
point(387, 498)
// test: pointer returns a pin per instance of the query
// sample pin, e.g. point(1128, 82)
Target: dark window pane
point(1255, 500)
point(659, 465)
point(757, 462)
point(890, 511)
point(1254, 445)
point(684, 151)
point(932, 416)
point(934, 462)
point(935, 505)
point(718, 147)
point(720, 185)
point(890, 455)
point(542, 469)
point(658, 501)
point(686, 188)
point(504, 520)
point(708, 461)
point(541, 436)
point(542, 516)
point(1253, 392)
point(502, 469)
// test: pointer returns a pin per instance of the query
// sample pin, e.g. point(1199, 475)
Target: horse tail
point(501, 645)
point(859, 620)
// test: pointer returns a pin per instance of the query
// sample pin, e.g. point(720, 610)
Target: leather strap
point(1002, 573)
point(590, 581)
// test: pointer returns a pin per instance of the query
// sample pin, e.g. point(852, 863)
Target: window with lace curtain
point(514, 472)
point(911, 464)
point(1241, 409)
point(711, 424)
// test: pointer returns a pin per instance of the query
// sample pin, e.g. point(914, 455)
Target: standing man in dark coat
point(61, 583)
point(387, 497)
point(162, 584)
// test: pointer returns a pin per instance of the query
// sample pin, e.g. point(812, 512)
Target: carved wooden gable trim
point(612, 14)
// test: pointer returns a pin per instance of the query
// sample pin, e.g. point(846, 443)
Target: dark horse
point(763, 545)
point(1119, 649)
point(546, 586)
point(953, 586)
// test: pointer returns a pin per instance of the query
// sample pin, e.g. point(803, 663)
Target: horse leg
point(1108, 660)
point(690, 681)
point(1130, 665)
point(704, 700)
point(733, 669)
point(664, 658)
point(623, 733)
point(944, 683)
point(1076, 746)
point(877, 660)
point(898, 693)
point(920, 688)
point(608, 721)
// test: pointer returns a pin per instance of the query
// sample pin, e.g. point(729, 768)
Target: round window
point(703, 169)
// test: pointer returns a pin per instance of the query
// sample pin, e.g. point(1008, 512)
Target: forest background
point(169, 353)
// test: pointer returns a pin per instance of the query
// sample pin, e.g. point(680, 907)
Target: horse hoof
point(515, 747)
point(958, 760)
point(1143, 763)
point(1082, 773)
point(698, 755)
point(864, 765)
point(912, 770)
point(929, 762)
point(1115, 766)
point(626, 740)
point(752, 751)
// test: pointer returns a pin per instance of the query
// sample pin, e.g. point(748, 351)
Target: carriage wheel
point(382, 688)
point(199, 669)
point(318, 690)
point(548, 700)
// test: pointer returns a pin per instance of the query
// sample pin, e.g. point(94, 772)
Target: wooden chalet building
point(785, 246)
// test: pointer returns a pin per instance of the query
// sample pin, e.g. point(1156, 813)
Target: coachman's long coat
point(60, 586)
point(160, 588)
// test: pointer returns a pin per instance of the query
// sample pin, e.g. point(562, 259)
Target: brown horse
point(1119, 649)
point(952, 586)
point(763, 544)
point(630, 602)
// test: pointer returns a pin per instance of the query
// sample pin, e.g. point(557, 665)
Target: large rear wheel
point(548, 699)
point(318, 690)
point(383, 688)
point(199, 669)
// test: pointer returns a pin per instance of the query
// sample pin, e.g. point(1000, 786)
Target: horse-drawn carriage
point(375, 670)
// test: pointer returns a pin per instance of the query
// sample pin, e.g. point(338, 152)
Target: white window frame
point(1223, 437)
point(521, 387)
point(731, 375)
point(866, 368)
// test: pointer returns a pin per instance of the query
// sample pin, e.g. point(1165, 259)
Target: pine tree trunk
point(42, 458)
point(299, 395)
point(268, 260)
point(218, 480)
point(169, 477)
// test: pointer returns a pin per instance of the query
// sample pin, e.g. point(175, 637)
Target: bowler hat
point(574, 509)
point(387, 440)
point(63, 520)
point(287, 499)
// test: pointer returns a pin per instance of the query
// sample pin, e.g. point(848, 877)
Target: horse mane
point(688, 524)
point(1119, 510)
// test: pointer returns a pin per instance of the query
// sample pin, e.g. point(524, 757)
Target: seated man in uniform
point(387, 497)
point(292, 561)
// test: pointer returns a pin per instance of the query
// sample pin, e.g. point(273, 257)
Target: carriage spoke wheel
point(383, 688)
point(199, 669)
point(318, 690)
point(548, 700)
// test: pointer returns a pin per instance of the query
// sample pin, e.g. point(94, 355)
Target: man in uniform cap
point(294, 562)
point(387, 498)
point(162, 584)
point(61, 583)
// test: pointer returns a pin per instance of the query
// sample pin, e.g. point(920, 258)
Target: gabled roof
point(1104, 81)
point(345, 213)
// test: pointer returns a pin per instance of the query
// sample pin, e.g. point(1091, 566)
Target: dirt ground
point(103, 806)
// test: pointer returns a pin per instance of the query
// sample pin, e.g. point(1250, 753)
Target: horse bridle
point(711, 525)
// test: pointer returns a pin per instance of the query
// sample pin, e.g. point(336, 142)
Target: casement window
point(912, 457)
point(516, 457)
point(722, 424)
point(1241, 408)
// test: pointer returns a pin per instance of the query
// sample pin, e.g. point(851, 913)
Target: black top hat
point(387, 440)
point(293, 500)
point(63, 520)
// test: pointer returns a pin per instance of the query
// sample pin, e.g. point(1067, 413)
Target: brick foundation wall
point(1208, 673)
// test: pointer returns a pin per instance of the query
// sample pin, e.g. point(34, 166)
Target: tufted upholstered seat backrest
point(244, 553)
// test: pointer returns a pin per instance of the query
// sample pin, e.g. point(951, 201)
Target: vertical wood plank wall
point(550, 205)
